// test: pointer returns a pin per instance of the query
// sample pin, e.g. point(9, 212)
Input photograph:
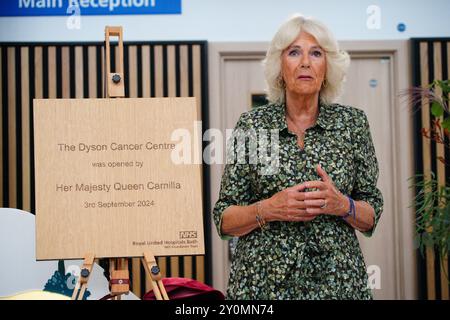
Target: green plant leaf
point(427, 239)
point(444, 86)
point(446, 123)
point(436, 109)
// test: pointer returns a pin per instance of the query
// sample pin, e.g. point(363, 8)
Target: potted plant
point(432, 200)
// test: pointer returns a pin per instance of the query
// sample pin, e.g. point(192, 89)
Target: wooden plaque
point(107, 182)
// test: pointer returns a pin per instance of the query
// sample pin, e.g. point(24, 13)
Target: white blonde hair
point(337, 60)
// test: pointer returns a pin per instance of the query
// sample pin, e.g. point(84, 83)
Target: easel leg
point(85, 273)
point(163, 290)
point(152, 269)
point(112, 268)
point(75, 291)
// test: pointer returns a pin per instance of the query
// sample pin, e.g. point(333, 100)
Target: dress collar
point(325, 120)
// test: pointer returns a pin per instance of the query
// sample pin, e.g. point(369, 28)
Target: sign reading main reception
point(87, 7)
point(108, 179)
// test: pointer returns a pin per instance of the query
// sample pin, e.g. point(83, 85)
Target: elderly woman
point(296, 227)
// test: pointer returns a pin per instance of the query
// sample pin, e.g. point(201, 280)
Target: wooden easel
point(118, 267)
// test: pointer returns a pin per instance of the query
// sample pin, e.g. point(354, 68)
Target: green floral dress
point(320, 259)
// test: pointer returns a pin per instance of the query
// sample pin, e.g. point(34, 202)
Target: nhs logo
point(18, 8)
point(188, 234)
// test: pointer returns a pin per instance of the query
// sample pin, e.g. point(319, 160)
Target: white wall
point(244, 20)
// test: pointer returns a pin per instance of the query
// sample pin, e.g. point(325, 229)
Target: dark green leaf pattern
point(320, 259)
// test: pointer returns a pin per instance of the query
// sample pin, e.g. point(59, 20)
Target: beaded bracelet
point(259, 218)
point(352, 210)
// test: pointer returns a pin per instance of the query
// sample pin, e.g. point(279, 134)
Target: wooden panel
point(117, 59)
point(103, 72)
point(159, 86)
point(114, 54)
point(440, 152)
point(446, 291)
point(145, 63)
point(79, 77)
point(92, 58)
point(87, 182)
point(184, 71)
point(52, 72)
point(184, 92)
point(432, 62)
point(146, 84)
point(426, 149)
point(38, 90)
point(197, 90)
point(12, 142)
point(136, 276)
point(197, 71)
point(171, 83)
point(25, 145)
point(38, 94)
point(65, 72)
point(132, 71)
point(171, 72)
point(132, 78)
point(159, 92)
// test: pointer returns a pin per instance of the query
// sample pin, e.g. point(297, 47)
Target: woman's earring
point(324, 83)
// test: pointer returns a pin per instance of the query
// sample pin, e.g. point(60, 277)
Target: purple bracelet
point(352, 210)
